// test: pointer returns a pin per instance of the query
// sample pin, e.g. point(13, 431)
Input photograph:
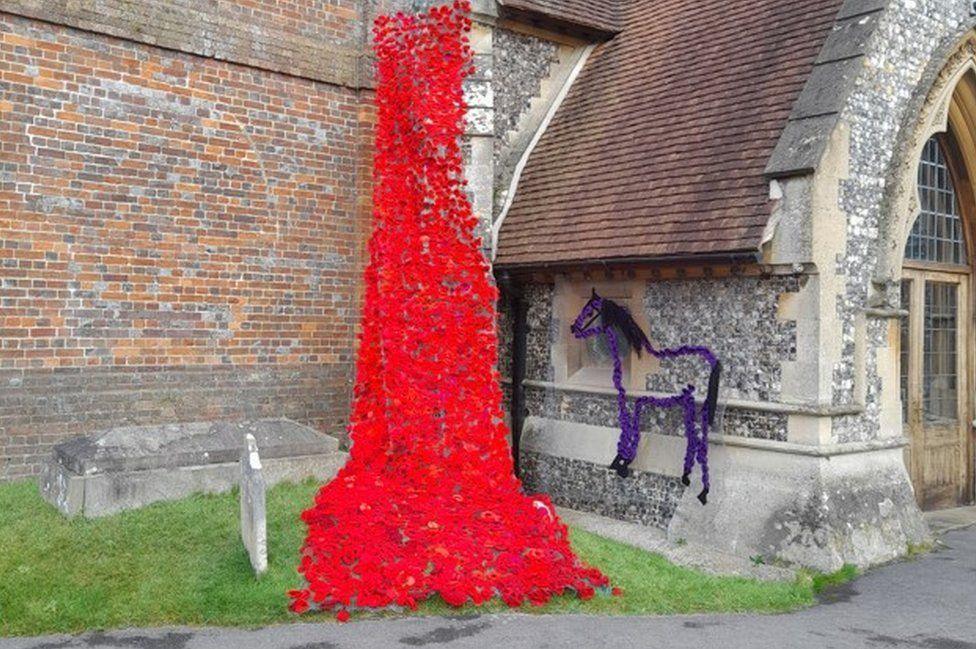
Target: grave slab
point(132, 466)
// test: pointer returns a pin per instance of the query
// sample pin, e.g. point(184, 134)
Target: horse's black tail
point(711, 400)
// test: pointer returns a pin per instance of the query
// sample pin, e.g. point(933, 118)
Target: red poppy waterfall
point(428, 502)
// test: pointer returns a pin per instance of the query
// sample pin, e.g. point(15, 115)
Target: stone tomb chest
point(132, 466)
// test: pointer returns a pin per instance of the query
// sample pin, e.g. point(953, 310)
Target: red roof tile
point(660, 146)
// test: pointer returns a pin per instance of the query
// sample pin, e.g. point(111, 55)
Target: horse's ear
point(594, 296)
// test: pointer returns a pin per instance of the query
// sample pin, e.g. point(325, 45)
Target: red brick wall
point(316, 39)
point(179, 239)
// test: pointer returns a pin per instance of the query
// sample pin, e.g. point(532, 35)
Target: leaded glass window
point(940, 366)
point(906, 357)
point(937, 234)
point(598, 352)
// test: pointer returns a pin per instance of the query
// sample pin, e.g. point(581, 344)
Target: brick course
point(320, 40)
point(180, 238)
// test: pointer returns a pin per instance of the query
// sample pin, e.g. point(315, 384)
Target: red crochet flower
point(428, 502)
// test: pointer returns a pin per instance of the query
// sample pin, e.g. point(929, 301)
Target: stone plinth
point(132, 466)
point(254, 524)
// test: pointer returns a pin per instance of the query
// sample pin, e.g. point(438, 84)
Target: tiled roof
point(659, 147)
point(603, 15)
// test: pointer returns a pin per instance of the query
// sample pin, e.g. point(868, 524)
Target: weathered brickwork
point(320, 40)
point(646, 498)
point(181, 238)
point(892, 79)
point(41, 408)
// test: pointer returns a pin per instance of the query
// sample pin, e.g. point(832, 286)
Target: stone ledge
point(785, 408)
point(809, 508)
point(140, 448)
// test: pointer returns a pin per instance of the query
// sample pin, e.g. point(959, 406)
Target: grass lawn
point(183, 563)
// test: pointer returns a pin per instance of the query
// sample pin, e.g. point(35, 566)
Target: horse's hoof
point(685, 480)
point(703, 497)
point(621, 466)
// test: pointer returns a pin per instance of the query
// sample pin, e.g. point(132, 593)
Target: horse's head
point(583, 326)
point(610, 314)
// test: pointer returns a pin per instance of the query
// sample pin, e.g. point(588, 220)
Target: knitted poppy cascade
point(428, 502)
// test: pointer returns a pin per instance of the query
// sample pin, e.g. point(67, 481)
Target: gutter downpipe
point(518, 311)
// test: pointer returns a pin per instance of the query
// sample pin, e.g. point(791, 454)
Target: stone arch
point(944, 109)
point(950, 98)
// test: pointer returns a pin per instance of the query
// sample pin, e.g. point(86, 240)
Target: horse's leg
point(688, 407)
point(703, 454)
point(629, 439)
point(629, 431)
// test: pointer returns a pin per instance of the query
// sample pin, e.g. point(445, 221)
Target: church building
point(185, 197)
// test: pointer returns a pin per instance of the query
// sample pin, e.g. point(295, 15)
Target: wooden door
point(935, 385)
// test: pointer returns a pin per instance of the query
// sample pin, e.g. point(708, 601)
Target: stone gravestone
point(132, 466)
point(254, 529)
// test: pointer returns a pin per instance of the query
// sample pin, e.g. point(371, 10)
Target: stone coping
point(738, 404)
point(141, 448)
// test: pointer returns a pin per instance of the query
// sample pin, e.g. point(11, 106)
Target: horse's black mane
point(617, 316)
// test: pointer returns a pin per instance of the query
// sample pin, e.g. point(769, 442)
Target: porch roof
point(659, 148)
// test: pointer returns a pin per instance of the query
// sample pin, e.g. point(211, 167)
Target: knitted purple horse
point(615, 319)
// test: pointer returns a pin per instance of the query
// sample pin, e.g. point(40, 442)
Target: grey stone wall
point(646, 498)
point(542, 332)
point(521, 63)
point(504, 339)
point(866, 425)
point(734, 317)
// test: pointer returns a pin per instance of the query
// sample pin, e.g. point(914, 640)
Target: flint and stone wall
point(521, 63)
point(735, 316)
point(530, 69)
point(908, 48)
point(810, 464)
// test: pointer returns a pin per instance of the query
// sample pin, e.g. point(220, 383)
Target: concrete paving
point(947, 520)
point(925, 603)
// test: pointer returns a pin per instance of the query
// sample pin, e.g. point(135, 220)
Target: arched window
point(937, 235)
